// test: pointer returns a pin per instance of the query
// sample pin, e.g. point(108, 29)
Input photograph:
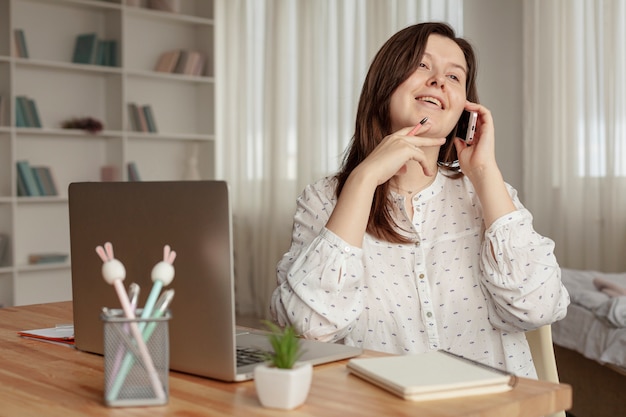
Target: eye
point(423, 65)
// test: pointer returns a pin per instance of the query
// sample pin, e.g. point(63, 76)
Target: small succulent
point(285, 344)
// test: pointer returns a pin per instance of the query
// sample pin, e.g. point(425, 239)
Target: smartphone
point(466, 127)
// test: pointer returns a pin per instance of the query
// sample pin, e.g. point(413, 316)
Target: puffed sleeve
point(319, 279)
point(521, 275)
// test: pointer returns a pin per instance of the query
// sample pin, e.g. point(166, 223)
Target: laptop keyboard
point(247, 356)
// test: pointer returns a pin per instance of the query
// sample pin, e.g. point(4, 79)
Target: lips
point(430, 99)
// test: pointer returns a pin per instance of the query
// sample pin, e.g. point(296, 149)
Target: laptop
point(194, 218)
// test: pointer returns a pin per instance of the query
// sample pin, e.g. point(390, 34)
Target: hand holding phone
point(466, 127)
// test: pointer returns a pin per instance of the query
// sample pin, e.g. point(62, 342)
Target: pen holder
point(128, 381)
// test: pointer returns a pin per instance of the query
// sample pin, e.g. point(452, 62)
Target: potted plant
point(283, 382)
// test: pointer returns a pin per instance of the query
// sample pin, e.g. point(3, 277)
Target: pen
point(162, 275)
point(418, 126)
point(133, 295)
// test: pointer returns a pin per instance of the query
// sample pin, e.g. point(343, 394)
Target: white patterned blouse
point(444, 291)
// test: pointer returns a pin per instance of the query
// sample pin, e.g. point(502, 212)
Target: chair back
point(542, 351)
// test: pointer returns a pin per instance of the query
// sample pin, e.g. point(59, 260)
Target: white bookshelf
point(183, 107)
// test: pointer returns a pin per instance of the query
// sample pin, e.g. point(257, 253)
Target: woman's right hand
point(350, 215)
point(389, 158)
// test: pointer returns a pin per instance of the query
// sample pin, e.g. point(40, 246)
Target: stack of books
point(141, 118)
point(34, 181)
point(181, 61)
point(26, 113)
point(88, 49)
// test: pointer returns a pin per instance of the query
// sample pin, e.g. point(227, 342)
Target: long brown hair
point(396, 60)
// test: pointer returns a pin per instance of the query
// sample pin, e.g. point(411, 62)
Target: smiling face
point(436, 89)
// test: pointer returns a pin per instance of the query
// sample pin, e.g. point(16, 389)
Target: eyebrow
point(453, 64)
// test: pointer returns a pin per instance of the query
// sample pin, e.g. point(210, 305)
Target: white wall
point(494, 27)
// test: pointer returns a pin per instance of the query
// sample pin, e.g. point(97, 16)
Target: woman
point(418, 243)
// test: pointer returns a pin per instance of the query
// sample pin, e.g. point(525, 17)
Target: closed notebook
point(431, 376)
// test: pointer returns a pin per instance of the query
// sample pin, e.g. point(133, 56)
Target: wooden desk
point(42, 379)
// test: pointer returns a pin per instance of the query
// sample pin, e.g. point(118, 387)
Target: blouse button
point(429, 314)
point(346, 249)
point(421, 276)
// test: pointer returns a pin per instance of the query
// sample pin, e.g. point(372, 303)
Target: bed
point(590, 343)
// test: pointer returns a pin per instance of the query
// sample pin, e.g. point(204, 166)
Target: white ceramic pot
point(283, 388)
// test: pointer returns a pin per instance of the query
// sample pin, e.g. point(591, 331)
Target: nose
point(437, 80)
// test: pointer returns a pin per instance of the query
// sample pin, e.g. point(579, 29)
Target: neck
point(411, 183)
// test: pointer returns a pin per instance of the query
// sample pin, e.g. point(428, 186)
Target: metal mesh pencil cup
point(127, 378)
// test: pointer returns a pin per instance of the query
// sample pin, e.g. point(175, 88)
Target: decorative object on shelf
point(109, 173)
point(192, 172)
point(89, 124)
point(21, 49)
point(283, 382)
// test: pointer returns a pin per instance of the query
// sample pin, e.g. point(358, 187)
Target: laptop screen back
point(139, 218)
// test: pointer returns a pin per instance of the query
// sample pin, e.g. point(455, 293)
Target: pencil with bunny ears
point(114, 273)
point(162, 275)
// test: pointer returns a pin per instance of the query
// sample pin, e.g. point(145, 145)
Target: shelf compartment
point(41, 231)
point(149, 156)
point(188, 108)
point(147, 38)
point(93, 94)
point(71, 18)
point(70, 159)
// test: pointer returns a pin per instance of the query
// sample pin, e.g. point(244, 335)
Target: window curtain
point(575, 128)
point(288, 77)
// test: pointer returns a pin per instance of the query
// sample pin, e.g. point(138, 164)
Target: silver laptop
point(194, 218)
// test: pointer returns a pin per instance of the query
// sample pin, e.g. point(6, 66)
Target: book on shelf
point(106, 53)
point(34, 181)
point(20, 43)
point(167, 61)
point(181, 62)
point(431, 376)
point(149, 116)
point(141, 118)
point(4, 244)
point(26, 176)
point(133, 172)
point(3, 110)
point(47, 258)
point(45, 180)
point(85, 49)
point(26, 112)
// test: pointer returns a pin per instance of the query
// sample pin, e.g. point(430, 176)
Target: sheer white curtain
point(289, 75)
point(575, 128)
